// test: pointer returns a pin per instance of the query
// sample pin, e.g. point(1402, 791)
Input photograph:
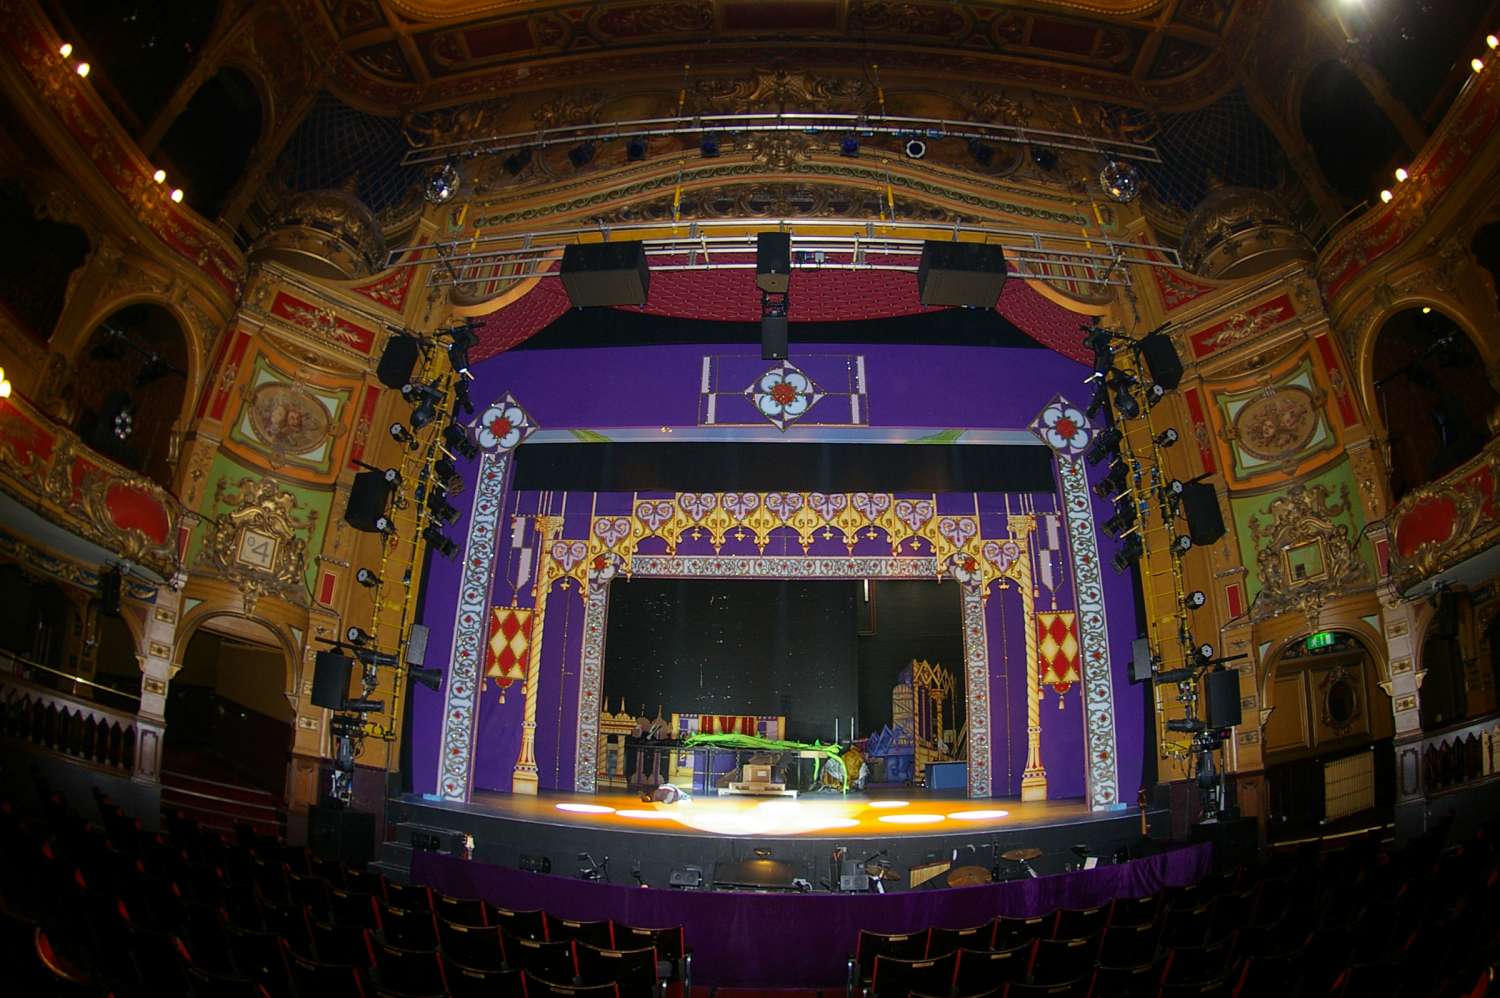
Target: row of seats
point(1362, 918)
point(115, 909)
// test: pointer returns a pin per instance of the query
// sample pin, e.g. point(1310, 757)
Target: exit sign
point(1323, 639)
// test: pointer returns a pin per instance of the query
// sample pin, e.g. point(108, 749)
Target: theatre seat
point(896, 978)
point(978, 971)
point(459, 911)
point(567, 929)
point(416, 897)
point(634, 970)
point(944, 941)
point(475, 946)
point(522, 924)
point(413, 972)
point(1054, 961)
point(902, 945)
point(471, 982)
point(408, 928)
point(324, 980)
point(553, 961)
point(1013, 931)
point(538, 987)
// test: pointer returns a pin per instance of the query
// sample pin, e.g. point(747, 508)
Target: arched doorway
point(1432, 395)
point(229, 722)
point(38, 621)
point(1353, 141)
point(210, 142)
point(1327, 744)
point(37, 259)
point(128, 386)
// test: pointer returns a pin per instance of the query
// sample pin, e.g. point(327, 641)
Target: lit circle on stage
point(912, 819)
point(887, 803)
point(978, 815)
point(585, 808)
point(631, 812)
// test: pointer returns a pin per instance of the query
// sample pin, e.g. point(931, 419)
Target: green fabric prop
point(734, 741)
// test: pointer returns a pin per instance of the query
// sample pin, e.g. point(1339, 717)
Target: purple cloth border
point(800, 940)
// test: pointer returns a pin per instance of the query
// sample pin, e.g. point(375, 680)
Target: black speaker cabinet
point(398, 360)
point(111, 581)
point(341, 834)
point(416, 645)
point(773, 337)
point(1223, 689)
point(369, 496)
point(1201, 506)
point(1140, 659)
point(1235, 840)
point(1162, 360)
point(773, 261)
point(953, 273)
point(330, 686)
point(606, 274)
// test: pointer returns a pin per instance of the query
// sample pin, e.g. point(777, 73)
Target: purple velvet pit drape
point(800, 940)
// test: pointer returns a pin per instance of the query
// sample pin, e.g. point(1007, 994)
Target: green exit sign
point(1323, 639)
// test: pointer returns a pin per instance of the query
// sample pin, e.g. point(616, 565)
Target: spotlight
point(446, 473)
point(1155, 394)
point(367, 578)
point(849, 146)
point(1119, 523)
point(1125, 402)
point(1166, 438)
point(430, 678)
point(5, 385)
point(1196, 600)
point(1476, 64)
point(442, 184)
point(357, 636)
point(1401, 175)
point(635, 149)
point(517, 161)
point(1182, 543)
point(401, 434)
point(1130, 552)
point(1044, 158)
point(67, 49)
point(442, 511)
point(582, 155)
point(1204, 653)
point(458, 441)
point(982, 154)
point(414, 392)
point(423, 414)
point(384, 525)
point(1385, 197)
point(176, 195)
point(708, 146)
point(367, 656)
point(1104, 445)
point(439, 542)
point(461, 396)
point(83, 68)
point(1120, 180)
point(1492, 41)
point(915, 148)
point(1113, 483)
point(1097, 403)
point(160, 176)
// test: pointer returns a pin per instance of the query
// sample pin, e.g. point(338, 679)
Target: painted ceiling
point(424, 52)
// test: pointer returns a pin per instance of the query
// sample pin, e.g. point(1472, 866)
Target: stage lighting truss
point(498, 259)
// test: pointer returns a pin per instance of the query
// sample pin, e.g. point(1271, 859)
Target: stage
point(653, 840)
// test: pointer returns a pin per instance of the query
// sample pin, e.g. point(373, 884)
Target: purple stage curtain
point(800, 940)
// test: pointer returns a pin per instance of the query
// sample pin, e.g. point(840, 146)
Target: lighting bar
point(808, 123)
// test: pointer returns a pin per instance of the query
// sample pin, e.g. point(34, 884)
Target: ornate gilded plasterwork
point(260, 543)
point(1303, 554)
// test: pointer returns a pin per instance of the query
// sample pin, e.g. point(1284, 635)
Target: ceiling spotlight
point(357, 636)
point(442, 184)
point(915, 148)
point(1130, 552)
point(517, 161)
point(1104, 444)
point(1120, 180)
point(415, 391)
point(582, 154)
point(367, 578)
point(982, 153)
point(1166, 438)
point(5, 386)
point(1182, 544)
point(83, 68)
point(1401, 175)
point(1196, 599)
point(384, 525)
point(1492, 41)
point(1154, 394)
point(1122, 520)
point(438, 541)
point(176, 195)
point(160, 176)
point(1125, 402)
point(1385, 197)
point(446, 473)
point(849, 146)
point(1476, 64)
point(401, 434)
point(67, 49)
point(1204, 653)
point(708, 146)
point(442, 511)
point(1426, 309)
point(635, 149)
point(1112, 484)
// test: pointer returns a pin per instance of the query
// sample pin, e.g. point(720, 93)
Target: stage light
point(371, 657)
point(1476, 64)
point(401, 434)
point(1130, 552)
point(982, 154)
point(446, 473)
point(83, 68)
point(1426, 309)
point(1196, 599)
point(582, 155)
point(708, 146)
point(67, 49)
point(1166, 438)
point(356, 636)
point(1401, 174)
point(1204, 653)
point(1119, 523)
point(1097, 403)
point(1182, 544)
point(423, 414)
point(911, 819)
point(1112, 484)
point(990, 814)
point(384, 525)
point(442, 511)
point(849, 146)
point(442, 184)
point(1385, 197)
point(176, 195)
point(5, 385)
point(1154, 394)
point(430, 678)
point(367, 578)
point(574, 808)
point(517, 161)
point(888, 803)
point(1492, 41)
point(458, 441)
point(1125, 403)
point(1121, 181)
point(440, 542)
point(635, 149)
point(1104, 445)
point(915, 148)
point(160, 176)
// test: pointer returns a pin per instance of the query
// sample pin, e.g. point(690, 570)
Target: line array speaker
point(606, 274)
point(1162, 360)
point(398, 360)
point(1200, 504)
point(952, 273)
point(330, 686)
point(416, 646)
point(773, 337)
point(368, 498)
point(773, 261)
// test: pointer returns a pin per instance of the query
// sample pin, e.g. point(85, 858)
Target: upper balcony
point(1447, 531)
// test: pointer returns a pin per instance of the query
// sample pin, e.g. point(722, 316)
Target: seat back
point(670, 943)
point(475, 946)
point(1013, 931)
point(408, 928)
point(354, 908)
point(410, 896)
point(1075, 923)
point(1127, 945)
point(567, 929)
point(941, 941)
point(202, 982)
point(540, 987)
point(472, 982)
point(978, 971)
point(460, 911)
point(633, 969)
point(311, 892)
point(1054, 961)
point(894, 977)
point(417, 972)
point(1199, 964)
point(289, 921)
point(903, 945)
point(522, 924)
point(1135, 911)
point(325, 980)
point(1140, 981)
point(261, 955)
point(340, 944)
point(553, 961)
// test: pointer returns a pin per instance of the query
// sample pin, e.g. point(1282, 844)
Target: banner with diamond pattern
point(509, 648)
point(1057, 649)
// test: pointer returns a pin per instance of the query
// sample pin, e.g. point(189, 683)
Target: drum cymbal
point(968, 876)
point(879, 871)
point(1021, 855)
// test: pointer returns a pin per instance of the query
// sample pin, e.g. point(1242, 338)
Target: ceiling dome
point(326, 233)
point(1239, 231)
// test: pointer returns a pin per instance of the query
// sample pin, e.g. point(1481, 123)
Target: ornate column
point(1034, 776)
point(155, 655)
point(523, 778)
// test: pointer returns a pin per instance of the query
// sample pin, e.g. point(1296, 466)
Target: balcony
point(57, 494)
point(1448, 531)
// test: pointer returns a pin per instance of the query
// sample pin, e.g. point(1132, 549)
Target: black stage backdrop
point(740, 646)
point(810, 650)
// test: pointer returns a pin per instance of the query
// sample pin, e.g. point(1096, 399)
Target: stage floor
point(885, 815)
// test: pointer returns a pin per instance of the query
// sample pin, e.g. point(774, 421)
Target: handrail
point(29, 664)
